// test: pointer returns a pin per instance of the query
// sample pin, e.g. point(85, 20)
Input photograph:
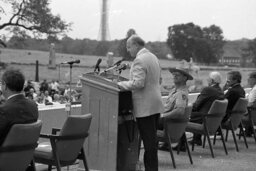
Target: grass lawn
point(26, 59)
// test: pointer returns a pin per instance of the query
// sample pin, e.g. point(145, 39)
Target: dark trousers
point(147, 128)
point(196, 117)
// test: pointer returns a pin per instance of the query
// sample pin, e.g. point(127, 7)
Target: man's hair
point(14, 79)
point(215, 76)
point(235, 75)
point(137, 40)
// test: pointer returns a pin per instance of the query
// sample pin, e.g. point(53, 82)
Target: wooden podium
point(113, 139)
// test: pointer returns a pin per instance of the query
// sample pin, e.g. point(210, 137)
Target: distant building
point(236, 53)
point(230, 57)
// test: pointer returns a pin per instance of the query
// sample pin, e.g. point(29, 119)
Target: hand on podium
point(120, 86)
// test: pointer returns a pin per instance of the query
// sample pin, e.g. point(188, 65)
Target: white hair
point(215, 76)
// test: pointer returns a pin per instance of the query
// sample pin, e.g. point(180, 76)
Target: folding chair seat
point(66, 147)
point(174, 132)
point(235, 120)
point(211, 123)
point(16, 152)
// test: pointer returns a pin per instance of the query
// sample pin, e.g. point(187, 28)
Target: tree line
point(30, 20)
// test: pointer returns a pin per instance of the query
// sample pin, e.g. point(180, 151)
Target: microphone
point(97, 66)
point(71, 62)
point(122, 67)
point(118, 62)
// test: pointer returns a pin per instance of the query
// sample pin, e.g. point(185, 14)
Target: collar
point(236, 84)
point(11, 96)
point(213, 85)
point(143, 50)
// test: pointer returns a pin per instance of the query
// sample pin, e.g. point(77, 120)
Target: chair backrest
point(18, 147)
point(238, 111)
point(176, 128)
point(75, 125)
point(252, 112)
point(215, 115)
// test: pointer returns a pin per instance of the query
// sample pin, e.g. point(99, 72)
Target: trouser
point(196, 117)
point(147, 128)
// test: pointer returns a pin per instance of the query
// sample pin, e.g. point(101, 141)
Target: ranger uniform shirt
point(178, 97)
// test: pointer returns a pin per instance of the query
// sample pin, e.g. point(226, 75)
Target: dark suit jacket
point(205, 100)
point(233, 94)
point(15, 110)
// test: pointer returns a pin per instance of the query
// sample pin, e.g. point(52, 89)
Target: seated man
point(205, 100)
point(16, 109)
point(251, 102)
point(177, 99)
point(234, 91)
point(252, 94)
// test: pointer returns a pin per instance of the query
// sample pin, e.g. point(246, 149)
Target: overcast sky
point(151, 18)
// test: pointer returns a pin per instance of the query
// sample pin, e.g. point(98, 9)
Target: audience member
point(110, 59)
point(33, 93)
point(251, 103)
point(205, 100)
point(54, 87)
point(147, 102)
point(176, 101)
point(234, 91)
point(122, 50)
point(252, 94)
point(44, 86)
point(16, 109)
point(28, 86)
point(47, 97)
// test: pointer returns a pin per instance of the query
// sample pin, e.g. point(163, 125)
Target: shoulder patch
point(184, 97)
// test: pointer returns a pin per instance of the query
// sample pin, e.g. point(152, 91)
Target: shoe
point(196, 142)
point(182, 148)
point(164, 147)
point(248, 134)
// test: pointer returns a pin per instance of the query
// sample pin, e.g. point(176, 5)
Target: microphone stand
point(68, 105)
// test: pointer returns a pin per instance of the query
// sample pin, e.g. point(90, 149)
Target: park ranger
point(177, 99)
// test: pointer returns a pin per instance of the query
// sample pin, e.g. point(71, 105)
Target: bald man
point(205, 100)
point(147, 101)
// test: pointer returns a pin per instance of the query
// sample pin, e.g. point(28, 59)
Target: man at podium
point(144, 83)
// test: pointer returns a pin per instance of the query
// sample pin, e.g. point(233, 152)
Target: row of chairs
point(64, 146)
point(175, 131)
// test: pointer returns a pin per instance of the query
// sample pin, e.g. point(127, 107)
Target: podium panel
point(113, 139)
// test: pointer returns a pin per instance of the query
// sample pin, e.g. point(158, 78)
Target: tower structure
point(104, 32)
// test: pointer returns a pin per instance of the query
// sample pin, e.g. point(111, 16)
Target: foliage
point(102, 48)
point(33, 15)
point(189, 40)
point(252, 49)
point(160, 49)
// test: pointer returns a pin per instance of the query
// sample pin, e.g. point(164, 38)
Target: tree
point(32, 15)
point(189, 40)
point(214, 37)
point(252, 49)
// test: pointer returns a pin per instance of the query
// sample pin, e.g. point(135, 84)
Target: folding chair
point(235, 120)
point(211, 123)
point(64, 149)
point(174, 132)
point(16, 152)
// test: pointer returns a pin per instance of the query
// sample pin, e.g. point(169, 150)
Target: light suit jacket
point(144, 82)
